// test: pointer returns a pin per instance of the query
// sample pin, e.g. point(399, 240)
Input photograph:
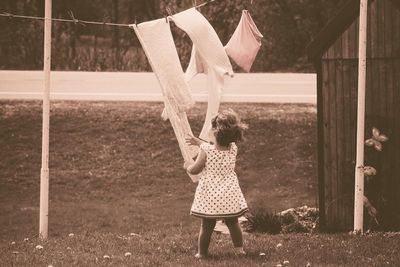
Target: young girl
point(218, 195)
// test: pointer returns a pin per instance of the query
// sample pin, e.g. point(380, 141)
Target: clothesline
point(75, 20)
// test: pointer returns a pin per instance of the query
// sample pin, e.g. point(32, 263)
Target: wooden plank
point(330, 53)
point(374, 29)
point(397, 125)
point(388, 25)
point(381, 27)
point(369, 105)
point(390, 89)
point(338, 98)
point(340, 141)
point(321, 158)
point(368, 90)
point(356, 28)
point(350, 72)
point(390, 149)
point(347, 170)
point(382, 89)
point(337, 49)
point(353, 129)
point(353, 45)
point(333, 142)
point(375, 88)
point(369, 30)
point(393, 144)
point(396, 132)
point(327, 166)
point(345, 43)
point(325, 55)
point(395, 33)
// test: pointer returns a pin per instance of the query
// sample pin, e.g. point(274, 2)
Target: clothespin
point(194, 3)
point(169, 13)
point(75, 20)
point(105, 18)
point(71, 14)
point(246, 6)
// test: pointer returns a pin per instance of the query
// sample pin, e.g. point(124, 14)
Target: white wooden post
point(359, 170)
point(44, 173)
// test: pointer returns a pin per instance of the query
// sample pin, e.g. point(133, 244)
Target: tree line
point(287, 25)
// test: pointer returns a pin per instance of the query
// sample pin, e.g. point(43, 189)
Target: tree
point(287, 25)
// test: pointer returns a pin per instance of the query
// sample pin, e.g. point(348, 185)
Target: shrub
point(263, 220)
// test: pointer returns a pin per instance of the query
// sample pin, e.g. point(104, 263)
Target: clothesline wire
point(84, 22)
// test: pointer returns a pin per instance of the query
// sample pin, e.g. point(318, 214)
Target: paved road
point(132, 86)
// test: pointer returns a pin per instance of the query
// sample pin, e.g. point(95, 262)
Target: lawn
point(115, 169)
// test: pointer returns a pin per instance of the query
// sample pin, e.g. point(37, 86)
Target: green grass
point(176, 246)
point(115, 168)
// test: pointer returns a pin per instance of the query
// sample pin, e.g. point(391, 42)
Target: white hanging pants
point(157, 42)
point(208, 56)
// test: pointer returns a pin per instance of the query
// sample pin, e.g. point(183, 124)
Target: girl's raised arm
point(198, 165)
point(193, 141)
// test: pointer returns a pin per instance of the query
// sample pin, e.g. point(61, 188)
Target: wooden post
point(44, 173)
point(359, 170)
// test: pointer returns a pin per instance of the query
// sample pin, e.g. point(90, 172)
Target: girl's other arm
point(198, 165)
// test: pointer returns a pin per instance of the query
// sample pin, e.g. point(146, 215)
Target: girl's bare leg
point(206, 230)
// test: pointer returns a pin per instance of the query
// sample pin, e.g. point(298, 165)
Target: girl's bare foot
point(199, 256)
point(239, 251)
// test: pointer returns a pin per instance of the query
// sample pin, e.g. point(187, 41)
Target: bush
point(263, 220)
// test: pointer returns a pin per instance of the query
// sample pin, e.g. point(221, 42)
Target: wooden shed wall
point(339, 70)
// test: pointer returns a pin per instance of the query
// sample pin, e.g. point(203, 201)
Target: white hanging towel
point(245, 42)
point(157, 42)
point(208, 56)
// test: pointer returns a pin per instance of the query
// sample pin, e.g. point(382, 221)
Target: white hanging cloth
point(245, 42)
point(208, 56)
point(157, 42)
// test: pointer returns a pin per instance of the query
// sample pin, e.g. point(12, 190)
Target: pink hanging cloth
point(245, 42)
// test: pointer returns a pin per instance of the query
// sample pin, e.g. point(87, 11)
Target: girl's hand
point(193, 141)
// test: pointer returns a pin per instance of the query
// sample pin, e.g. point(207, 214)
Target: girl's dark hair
point(227, 127)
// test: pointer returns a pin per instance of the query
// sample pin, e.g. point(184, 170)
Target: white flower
point(279, 245)
point(26, 239)
point(68, 248)
point(308, 264)
point(71, 235)
point(13, 243)
point(279, 265)
point(127, 254)
point(39, 247)
point(262, 254)
point(369, 171)
point(106, 257)
point(376, 139)
point(134, 234)
point(15, 252)
point(285, 262)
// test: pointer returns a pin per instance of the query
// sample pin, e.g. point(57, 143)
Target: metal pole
point(44, 173)
point(359, 170)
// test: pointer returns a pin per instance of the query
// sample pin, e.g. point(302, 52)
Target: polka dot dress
point(218, 194)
